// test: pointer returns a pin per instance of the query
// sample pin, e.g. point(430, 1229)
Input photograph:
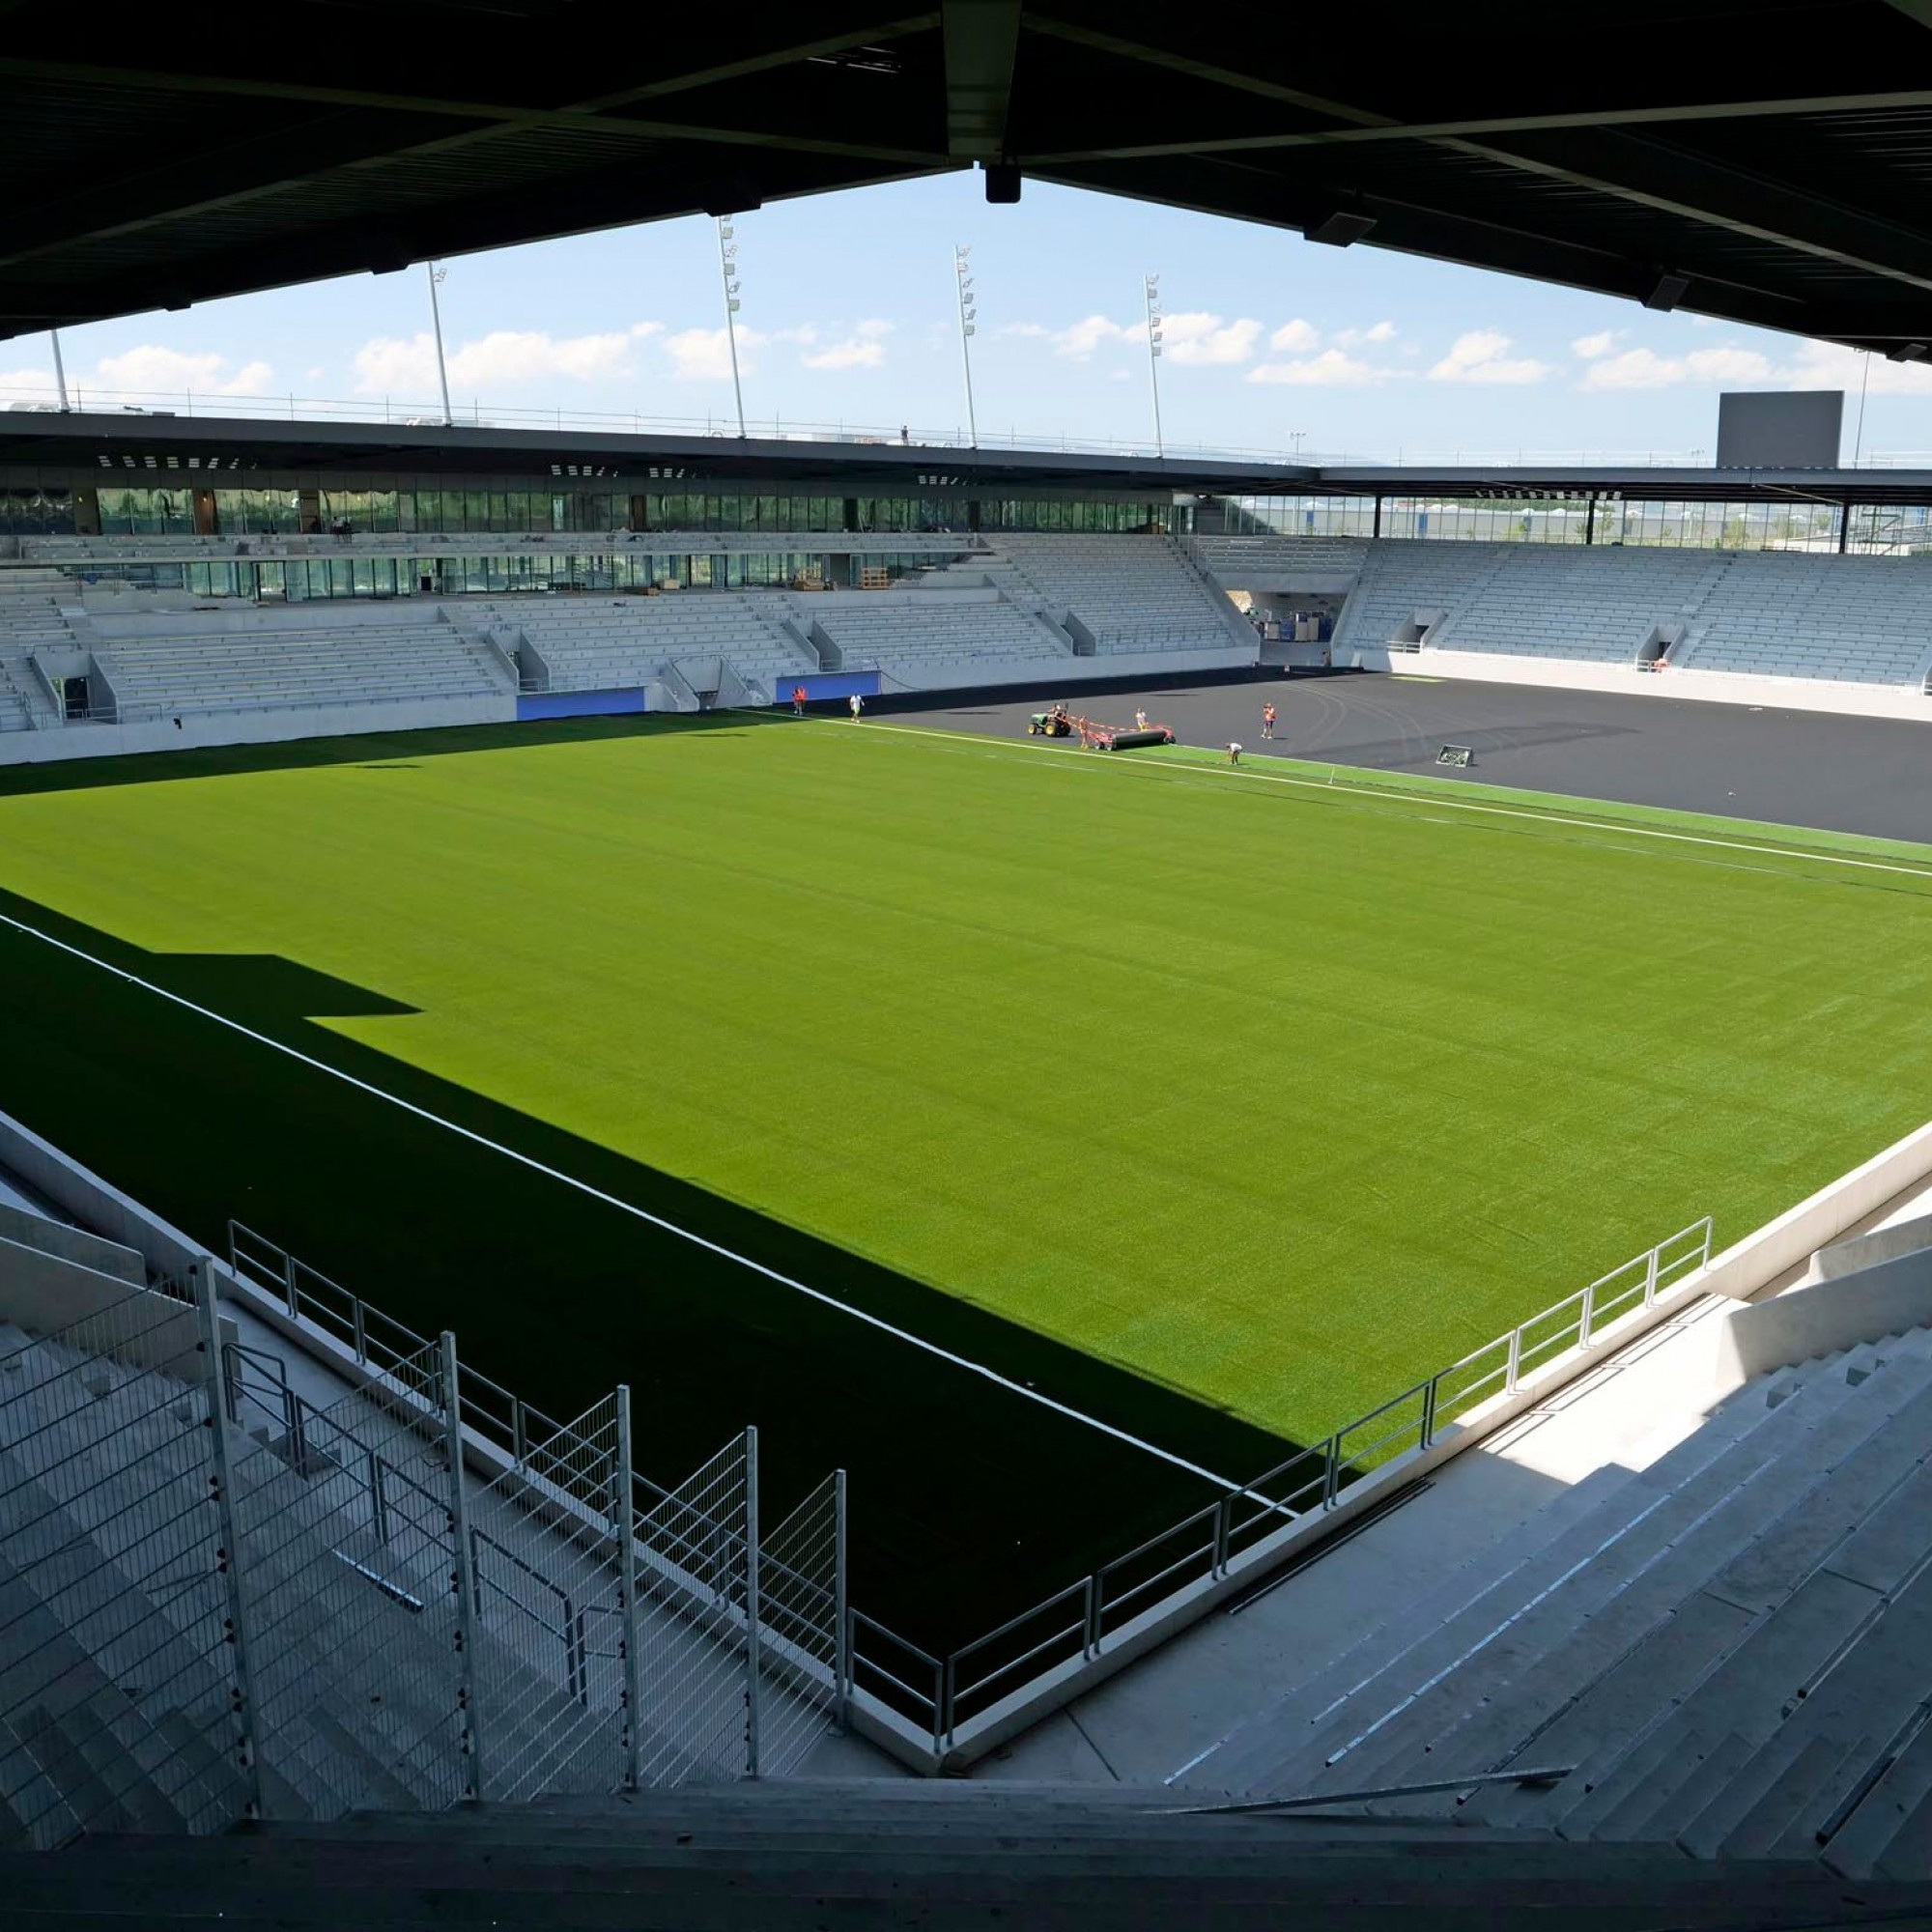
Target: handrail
point(1432, 1403)
point(955, 1695)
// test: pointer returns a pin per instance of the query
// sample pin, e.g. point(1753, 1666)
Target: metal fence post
point(1650, 1279)
point(288, 1285)
point(1223, 1510)
point(1589, 1314)
point(201, 1273)
point(751, 1611)
point(1515, 1361)
point(462, 1572)
point(1331, 1471)
point(624, 1507)
point(841, 1609)
point(1429, 1412)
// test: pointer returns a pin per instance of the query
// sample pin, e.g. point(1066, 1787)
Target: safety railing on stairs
point(1075, 1626)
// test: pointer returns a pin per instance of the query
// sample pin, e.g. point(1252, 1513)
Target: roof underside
point(1767, 162)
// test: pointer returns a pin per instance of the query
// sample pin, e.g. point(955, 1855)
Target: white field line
point(571, 1180)
point(1389, 796)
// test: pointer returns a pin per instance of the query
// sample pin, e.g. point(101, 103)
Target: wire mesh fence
point(802, 1603)
point(550, 1663)
point(694, 1713)
point(348, 1564)
point(118, 1697)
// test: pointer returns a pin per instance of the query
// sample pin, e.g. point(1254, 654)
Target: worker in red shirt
point(1267, 719)
point(798, 700)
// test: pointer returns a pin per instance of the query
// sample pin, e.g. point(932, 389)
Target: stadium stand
point(604, 643)
point(1602, 605)
point(1316, 560)
point(1407, 588)
point(939, 635)
point(165, 664)
point(1854, 620)
point(1721, 1654)
point(1134, 595)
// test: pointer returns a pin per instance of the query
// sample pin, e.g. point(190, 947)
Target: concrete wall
point(1824, 1317)
point(1747, 1266)
point(72, 1244)
point(1863, 1251)
point(1711, 686)
point(251, 727)
point(43, 1295)
point(580, 704)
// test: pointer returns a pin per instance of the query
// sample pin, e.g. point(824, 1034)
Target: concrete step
point(1822, 1770)
point(1267, 1753)
point(1523, 1667)
point(1893, 1818)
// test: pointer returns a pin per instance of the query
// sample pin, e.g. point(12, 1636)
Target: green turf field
point(1276, 1094)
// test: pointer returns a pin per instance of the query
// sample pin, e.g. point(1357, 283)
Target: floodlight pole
point(962, 276)
point(60, 369)
point(727, 251)
point(436, 274)
point(1154, 358)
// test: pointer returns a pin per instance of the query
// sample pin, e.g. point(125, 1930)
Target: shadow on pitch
point(969, 1502)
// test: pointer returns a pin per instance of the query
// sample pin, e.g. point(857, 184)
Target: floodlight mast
point(437, 271)
point(962, 274)
point(728, 256)
point(60, 369)
point(1153, 357)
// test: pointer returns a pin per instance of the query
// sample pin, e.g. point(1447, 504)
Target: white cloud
point(876, 326)
point(704, 354)
point(1376, 333)
point(151, 367)
point(1196, 338)
point(1590, 347)
point(1826, 366)
point(854, 352)
point(1332, 369)
point(1291, 339)
point(1078, 341)
point(26, 386)
point(1026, 328)
point(390, 365)
point(1646, 369)
point(1482, 355)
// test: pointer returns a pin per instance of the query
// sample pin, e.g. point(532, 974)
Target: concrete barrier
point(1824, 1317)
point(1750, 1266)
point(72, 1244)
point(1863, 1251)
point(43, 1295)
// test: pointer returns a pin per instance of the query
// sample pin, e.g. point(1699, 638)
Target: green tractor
point(1054, 723)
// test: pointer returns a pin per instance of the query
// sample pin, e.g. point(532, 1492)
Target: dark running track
point(1867, 775)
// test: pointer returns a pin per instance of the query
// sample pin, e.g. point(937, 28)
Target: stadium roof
point(203, 448)
point(1767, 162)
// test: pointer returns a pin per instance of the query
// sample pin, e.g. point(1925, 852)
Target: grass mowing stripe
point(625, 1207)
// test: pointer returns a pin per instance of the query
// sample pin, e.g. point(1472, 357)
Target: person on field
point(798, 700)
point(858, 704)
point(1140, 721)
point(1267, 719)
point(1235, 752)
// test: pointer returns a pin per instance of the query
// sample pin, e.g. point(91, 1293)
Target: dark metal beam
point(1675, 180)
point(982, 41)
point(1891, 100)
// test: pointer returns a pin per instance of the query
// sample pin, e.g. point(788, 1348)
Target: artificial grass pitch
point(1280, 1094)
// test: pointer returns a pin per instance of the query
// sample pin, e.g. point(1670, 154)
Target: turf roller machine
point(1060, 722)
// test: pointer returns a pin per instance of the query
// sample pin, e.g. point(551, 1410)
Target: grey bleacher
point(1317, 558)
point(1135, 594)
point(910, 632)
point(1725, 1653)
point(605, 643)
point(30, 621)
point(165, 665)
point(1861, 620)
point(1566, 601)
point(1406, 581)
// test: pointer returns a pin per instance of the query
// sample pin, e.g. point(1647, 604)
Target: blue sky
point(848, 319)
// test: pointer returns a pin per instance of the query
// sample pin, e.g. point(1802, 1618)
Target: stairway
point(1725, 1653)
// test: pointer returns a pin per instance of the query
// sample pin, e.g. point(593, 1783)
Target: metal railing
point(704, 1660)
point(1075, 1625)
